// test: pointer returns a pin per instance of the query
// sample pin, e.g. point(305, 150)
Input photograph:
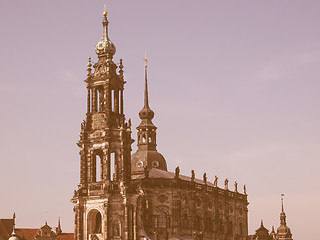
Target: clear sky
point(234, 86)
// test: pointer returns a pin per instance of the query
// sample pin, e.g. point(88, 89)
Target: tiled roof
point(157, 173)
point(66, 236)
point(6, 226)
point(27, 233)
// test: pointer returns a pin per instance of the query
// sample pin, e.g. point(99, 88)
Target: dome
point(13, 237)
point(284, 231)
point(146, 113)
point(105, 46)
point(147, 158)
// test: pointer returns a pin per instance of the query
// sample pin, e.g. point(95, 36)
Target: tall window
point(98, 100)
point(98, 168)
point(112, 165)
point(94, 222)
point(161, 220)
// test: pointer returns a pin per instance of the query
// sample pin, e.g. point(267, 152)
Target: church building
point(133, 196)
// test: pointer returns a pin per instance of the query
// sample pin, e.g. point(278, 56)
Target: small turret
point(105, 48)
point(283, 232)
point(13, 234)
point(147, 154)
point(58, 229)
point(262, 233)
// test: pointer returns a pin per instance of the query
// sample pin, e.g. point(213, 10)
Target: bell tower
point(105, 139)
point(102, 205)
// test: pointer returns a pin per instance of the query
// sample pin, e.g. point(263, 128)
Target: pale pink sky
point(234, 86)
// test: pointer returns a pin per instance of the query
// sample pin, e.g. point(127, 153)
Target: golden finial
point(145, 59)
point(105, 13)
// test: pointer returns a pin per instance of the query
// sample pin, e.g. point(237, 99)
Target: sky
point(234, 86)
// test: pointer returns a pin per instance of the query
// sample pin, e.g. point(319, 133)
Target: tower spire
point(59, 230)
point(105, 48)
point(14, 224)
point(147, 155)
point(146, 114)
point(283, 231)
point(146, 100)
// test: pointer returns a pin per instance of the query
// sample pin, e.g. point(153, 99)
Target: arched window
point(112, 100)
point(98, 168)
point(161, 221)
point(98, 100)
point(94, 222)
point(112, 165)
point(143, 138)
point(150, 140)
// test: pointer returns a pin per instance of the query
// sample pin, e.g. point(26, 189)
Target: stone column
point(94, 100)
point(116, 101)
point(101, 93)
point(121, 101)
point(134, 222)
point(108, 97)
point(105, 220)
point(88, 100)
point(125, 227)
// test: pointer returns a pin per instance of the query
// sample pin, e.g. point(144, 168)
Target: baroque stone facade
point(135, 197)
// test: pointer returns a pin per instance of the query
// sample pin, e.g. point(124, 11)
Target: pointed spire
point(282, 214)
point(261, 225)
point(146, 100)
point(59, 223)
point(105, 23)
point(283, 231)
point(58, 229)
point(146, 112)
point(14, 224)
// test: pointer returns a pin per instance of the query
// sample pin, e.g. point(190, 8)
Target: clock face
point(140, 164)
point(155, 164)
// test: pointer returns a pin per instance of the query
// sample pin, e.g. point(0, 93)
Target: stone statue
point(235, 186)
point(140, 190)
point(226, 184)
point(215, 183)
point(123, 188)
point(205, 177)
point(177, 171)
point(193, 175)
point(245, 189)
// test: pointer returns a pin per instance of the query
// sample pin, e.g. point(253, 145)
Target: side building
point(9, 231)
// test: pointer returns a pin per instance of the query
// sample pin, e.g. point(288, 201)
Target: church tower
point(147, 156)
point(102, 204)
point(283, 232)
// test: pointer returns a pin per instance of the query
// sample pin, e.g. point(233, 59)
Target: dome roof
point(284, 231)
point(13, 237)
point(105, 46)
point(147, 158)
